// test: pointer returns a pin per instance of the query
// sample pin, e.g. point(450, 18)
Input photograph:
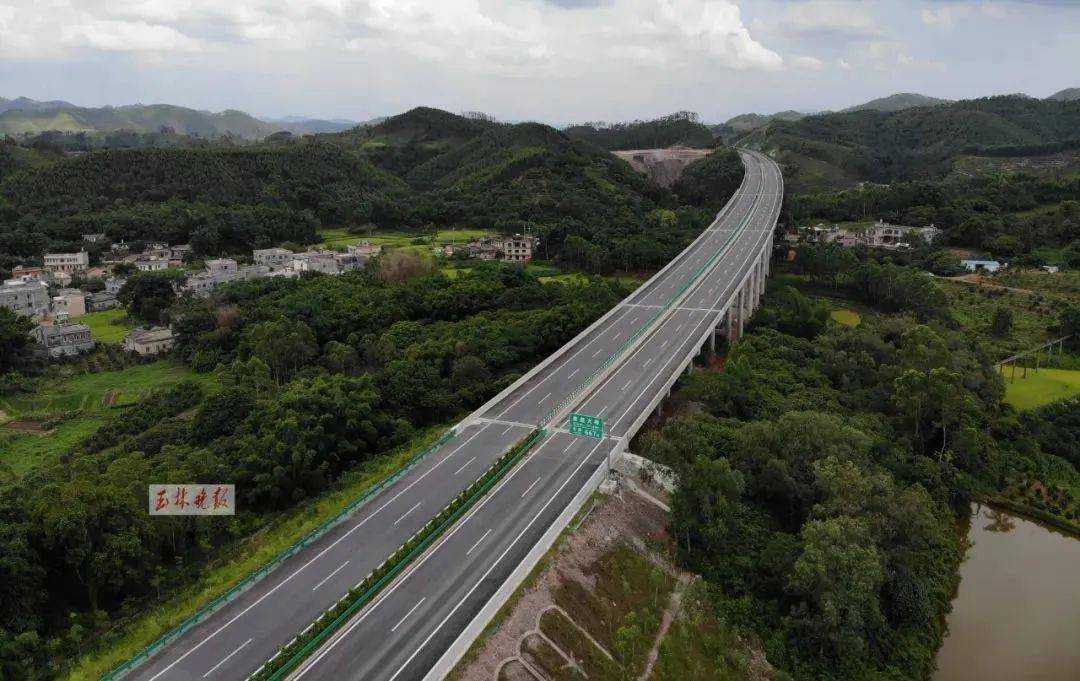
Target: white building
point(67, 262)
point(97, 302)
point(93, 238)
point(316, 261)
point(114, 284)
point(149, 341)
point(151, 263)
point(365, 248)
point(63, 340)
point(29, 297)
point(272, 257)
point(70, 302)
point(981, 265)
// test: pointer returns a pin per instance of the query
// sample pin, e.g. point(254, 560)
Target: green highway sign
point(587, 426)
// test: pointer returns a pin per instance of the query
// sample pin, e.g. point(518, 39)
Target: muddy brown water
point(1016, 615)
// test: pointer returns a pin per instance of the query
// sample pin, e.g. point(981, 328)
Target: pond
point(1016, 616)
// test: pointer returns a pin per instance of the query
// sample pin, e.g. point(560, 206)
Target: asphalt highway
point(408, 628)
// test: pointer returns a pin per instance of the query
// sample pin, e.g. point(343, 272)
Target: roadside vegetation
point(822, 477)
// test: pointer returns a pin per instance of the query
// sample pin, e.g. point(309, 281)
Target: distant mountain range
point(23, 116)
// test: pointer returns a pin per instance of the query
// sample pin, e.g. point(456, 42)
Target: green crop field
point(340, 238)
point(64, 410)
point(109, 326)
point(1049, 385)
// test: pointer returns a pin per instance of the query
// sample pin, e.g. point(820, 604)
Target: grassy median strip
point(315, 634)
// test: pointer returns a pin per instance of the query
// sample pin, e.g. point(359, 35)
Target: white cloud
point(513, 37)
point(837, 19)
point(128, 36)
point(944, 17)
point(810, 63)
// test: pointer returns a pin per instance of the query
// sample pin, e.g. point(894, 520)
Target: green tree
point(836, 580)
point(1002, 322)
point(284, 345)
point(14, 338)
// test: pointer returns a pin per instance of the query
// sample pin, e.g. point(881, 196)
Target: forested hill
point(682, 129)
point(420, 170)
point(840, 150)
point(222, 200)
point(590, 209)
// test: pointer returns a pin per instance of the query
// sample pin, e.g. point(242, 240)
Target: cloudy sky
point(552, 60)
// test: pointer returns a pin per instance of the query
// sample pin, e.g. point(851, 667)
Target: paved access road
point(407, 630)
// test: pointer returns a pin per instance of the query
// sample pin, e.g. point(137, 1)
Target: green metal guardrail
point(265, 569)
point(431, 532)
point(546, 420)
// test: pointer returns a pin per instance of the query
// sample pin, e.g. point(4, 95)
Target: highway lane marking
point(566, 360)
point(332, 643)
point(627, 384)
point(408, 512)
point(227, 658)
point(574, 373)
point(495, 564)
point(465, 464)
point(530, 487)
point(545, 397)
point(402, 620)
point(602, 410)
point(595, 354)
point(617, 336)
point(572, 443)
point(478, 542)
point(327, 577)
point(300, 569)
point(647, 362)
point(634, 320)
point(507, 429)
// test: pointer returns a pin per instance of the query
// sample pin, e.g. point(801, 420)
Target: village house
point(149, 341)
point(272, 257)
point(68, 303)
point(67, 262)
point(26, 273)
point(26, 297)
point(114, 284)
point(93, 238)
point(101, 301)
point(63, 340)
point(365, 248)
point(516, 248)
point(990, 266)
point(151, 263)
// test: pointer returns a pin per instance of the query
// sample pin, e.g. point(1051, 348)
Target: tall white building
point(30, 297)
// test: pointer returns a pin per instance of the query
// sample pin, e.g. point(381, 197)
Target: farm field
point(1038, 389)
point(64, 410)
point(340, 238)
